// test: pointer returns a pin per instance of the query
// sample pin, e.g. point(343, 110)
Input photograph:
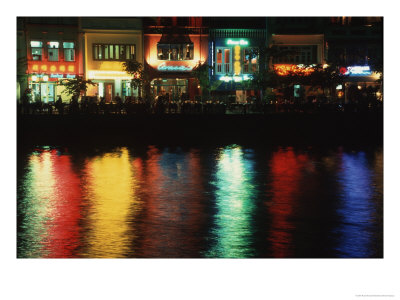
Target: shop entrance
point(43, 91)
point(108, 89)
point(47, 92)
point(175, 89)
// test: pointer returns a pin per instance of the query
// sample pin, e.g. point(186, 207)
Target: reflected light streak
point(35, 210)
point(173, 208)
point(356, 210)
point(64, 232)
point(285, 172)
point(110, 193)
point(233, 231)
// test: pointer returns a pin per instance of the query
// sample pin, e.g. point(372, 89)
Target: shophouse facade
point(48, 51)
point(306, 52)
point(172, 49)
point(234, 46)
point(108, 42)
point(299, 45)
point(355, 45)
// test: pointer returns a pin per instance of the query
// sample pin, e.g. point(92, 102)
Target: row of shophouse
point(50, 50)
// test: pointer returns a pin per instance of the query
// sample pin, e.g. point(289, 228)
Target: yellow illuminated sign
point(98, 74)
point(236, 65)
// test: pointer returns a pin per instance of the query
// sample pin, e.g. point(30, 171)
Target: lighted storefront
point(298, 54)
point(359, 80)
point(170, 59)
point(234, 58)
point(51, 62)
point(108, 43)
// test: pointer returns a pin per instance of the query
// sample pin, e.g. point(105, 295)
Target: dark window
point(297, 54)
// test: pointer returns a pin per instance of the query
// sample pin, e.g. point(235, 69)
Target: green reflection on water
point(235, 194)
point(34, 208)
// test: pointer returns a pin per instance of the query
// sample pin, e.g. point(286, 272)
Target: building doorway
point(176, 89)
point(108, 91)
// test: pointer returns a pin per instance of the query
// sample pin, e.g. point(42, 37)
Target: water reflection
point(110, 192)
point(200, 202)
point(285, 185)
point(355, 209)
point(174, 209)
point(50, 208)
point(234, 197)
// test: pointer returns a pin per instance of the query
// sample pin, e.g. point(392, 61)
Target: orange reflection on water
point(285, 171)
point(110, 191)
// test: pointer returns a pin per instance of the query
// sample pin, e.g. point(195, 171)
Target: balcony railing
point(238, 33)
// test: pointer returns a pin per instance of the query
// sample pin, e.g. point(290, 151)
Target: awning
point(370, 78)
point(168, 38)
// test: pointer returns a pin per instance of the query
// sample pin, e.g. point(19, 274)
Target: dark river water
point(230, 201)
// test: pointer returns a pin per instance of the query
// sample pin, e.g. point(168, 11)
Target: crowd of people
point(161, 105)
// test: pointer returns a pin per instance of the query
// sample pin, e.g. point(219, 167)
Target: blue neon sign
point(358, 71)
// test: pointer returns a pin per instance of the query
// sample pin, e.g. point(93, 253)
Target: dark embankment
point(318, 128)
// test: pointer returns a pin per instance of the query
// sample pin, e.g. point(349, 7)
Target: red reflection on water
point(64, 231)
point(285, 173)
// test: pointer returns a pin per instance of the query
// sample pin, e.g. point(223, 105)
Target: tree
point(201, 73)
point(136, 70)
point(267, 78)
point(327, 77)
point(76, 86)
point(262, 80)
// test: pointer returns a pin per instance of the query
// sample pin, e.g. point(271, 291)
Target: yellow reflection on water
point(234, 201)
point(110, 191)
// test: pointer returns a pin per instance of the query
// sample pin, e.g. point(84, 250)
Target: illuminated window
point(52, 50)
point(69, 51)
point(224, 60)
point(250, 60)
point(37, 50)
point(175, 51)
point(219, 61)
point(113, 52)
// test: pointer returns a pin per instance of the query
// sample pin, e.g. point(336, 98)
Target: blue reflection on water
point(235, 194)
point(356, 209)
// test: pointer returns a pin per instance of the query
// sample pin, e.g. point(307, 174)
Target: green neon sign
point(240, 42)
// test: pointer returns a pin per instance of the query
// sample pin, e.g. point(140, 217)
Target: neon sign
point(234, 78)
point(99, 74)
point(237, 42)
point(179, 68)
point(236, 65)
point(358, 70)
